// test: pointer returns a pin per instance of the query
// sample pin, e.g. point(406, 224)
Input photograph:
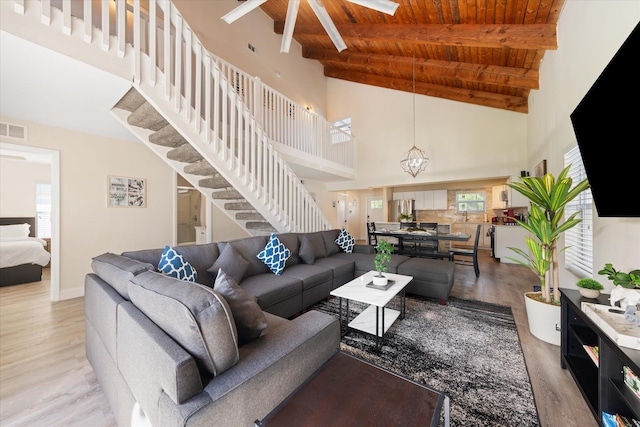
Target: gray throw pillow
point(307, 253)
point(233, 264)
point(195, 316)
point(249, 318)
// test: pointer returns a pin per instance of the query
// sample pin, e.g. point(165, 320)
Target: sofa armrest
point(364, 249)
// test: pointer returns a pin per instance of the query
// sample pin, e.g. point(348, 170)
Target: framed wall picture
point(125, 192)
point(541, 169)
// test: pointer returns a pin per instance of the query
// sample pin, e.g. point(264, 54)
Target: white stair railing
point(224, 113)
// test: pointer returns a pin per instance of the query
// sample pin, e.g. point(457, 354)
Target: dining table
point(410, 242)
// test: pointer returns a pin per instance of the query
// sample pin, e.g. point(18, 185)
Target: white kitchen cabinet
point(404, 195)
point(510, 236)
point(516, 200)
point(440, 200)
point(496, 199)
point(431, 200)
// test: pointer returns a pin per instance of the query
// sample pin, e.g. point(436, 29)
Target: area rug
point(468, 349)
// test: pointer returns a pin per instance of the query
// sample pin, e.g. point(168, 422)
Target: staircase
point(205, 118)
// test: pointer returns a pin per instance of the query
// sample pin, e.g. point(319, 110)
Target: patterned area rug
point(468, 349)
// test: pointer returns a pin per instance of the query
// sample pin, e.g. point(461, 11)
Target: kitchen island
point(510, 236)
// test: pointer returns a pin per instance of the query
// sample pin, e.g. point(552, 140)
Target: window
point(43, 211)
point(472, 202)
point(578, 258)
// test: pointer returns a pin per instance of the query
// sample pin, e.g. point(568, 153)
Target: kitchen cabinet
point(496, 198)
point(516, 200)
point(510, 236)
point(431, 200)
point(404, 195)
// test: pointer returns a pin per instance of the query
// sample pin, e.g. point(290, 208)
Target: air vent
point(13, 131)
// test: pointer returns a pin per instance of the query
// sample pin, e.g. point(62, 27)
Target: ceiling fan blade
point(242, 10)
point(328, 24)
point(384, 6)
point(289, 24)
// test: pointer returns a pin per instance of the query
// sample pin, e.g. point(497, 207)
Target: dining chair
point(468, 253)
point(371, 236)
point(430, 245)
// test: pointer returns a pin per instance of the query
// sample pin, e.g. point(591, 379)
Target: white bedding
point(23, 250)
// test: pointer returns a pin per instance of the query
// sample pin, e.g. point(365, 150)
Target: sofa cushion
point(200, 256)
point(249, 247)
point(271, 289)
point(195, 316)
point(312, 247)
point(292, 242)
point(231, 262)
point(346, 241)
point(117, 270)
point(330, 245)
point(275, 255)
point(173, 264)
point(364, 262)
point(249, 318)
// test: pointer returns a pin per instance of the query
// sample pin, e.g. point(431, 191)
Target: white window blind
point(579, 255)
point(43, 211)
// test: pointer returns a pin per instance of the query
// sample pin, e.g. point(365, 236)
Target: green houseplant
point(628, 280)
point(384, 250)
point(589, 288)
point(403, 217)
point(548, 198)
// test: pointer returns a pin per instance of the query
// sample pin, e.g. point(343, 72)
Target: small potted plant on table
point(384, 250)
point(589, 288)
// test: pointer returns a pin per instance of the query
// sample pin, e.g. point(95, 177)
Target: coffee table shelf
point(366, 321)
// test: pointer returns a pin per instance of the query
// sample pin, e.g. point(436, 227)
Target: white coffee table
point(377, 318)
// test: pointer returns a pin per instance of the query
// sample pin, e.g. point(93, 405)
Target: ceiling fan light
point(242, 10)
point(327, 23)
point(289, 24)
point(384, 6)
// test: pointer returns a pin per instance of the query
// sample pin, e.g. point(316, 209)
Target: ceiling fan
point(385, 6)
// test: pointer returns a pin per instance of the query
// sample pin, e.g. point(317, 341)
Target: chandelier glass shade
point(415, 160)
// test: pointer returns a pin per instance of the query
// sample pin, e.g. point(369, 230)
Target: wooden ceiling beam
point(477, 73)
point(515, 36)
point(505, 102)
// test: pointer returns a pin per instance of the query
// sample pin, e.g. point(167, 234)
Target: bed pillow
point(249, 318)
point(346, 241)
point(13, 231)
point(173, 264)
point(195, 316)
point(274, 255)
point(233, 264)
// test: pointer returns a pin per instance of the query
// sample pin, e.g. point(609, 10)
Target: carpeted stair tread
point(168, 136)
point(249, 216)
point(238, 206)
point(131, 101)
point(227, 194)
point(259, 225)
point(185, 153)
point(147, 117)
point(202, 168)
point(214, 182)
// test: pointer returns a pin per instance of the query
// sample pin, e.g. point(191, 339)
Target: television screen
point(607, 127)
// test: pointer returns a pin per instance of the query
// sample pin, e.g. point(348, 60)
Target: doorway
point(189, 212)
point(375, 209)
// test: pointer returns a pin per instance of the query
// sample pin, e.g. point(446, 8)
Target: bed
point(22, 255)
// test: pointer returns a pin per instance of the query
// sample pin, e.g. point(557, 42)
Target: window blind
point(579, 255)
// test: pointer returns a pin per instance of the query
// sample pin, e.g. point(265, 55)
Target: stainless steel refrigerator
point(397, 207)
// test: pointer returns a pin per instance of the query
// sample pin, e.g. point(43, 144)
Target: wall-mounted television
point(607, 127)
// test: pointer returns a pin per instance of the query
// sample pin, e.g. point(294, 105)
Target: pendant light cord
point(414, 101)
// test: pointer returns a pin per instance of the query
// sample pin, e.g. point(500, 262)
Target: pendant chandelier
point(415, 160)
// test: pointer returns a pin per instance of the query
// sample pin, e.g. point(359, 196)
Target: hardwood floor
point(46, 380)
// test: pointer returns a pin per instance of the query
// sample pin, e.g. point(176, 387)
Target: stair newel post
point(207, 99)
point(105, 25)
point(121, 27)
point(167, 51)
point(137, 61)
point(198, 91)
point(153, 33)
point(188, 77)
point(177, 84)
point(216, 109)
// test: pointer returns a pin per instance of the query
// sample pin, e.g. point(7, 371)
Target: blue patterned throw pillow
point(173, 264)
point(346, 241)
point(274, 255)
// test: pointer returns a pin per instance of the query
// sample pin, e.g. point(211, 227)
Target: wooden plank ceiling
point(483, 52)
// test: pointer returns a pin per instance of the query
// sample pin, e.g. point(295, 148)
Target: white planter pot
point(543, 319)
point(589, 293)
point(380, 281)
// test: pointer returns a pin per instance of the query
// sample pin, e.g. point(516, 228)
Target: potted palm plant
point(384, 250)
point(548, 198)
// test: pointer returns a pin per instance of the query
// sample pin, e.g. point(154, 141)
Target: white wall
point(87, 226)
point(18, 181)
point(589, 34)
point(463, 141)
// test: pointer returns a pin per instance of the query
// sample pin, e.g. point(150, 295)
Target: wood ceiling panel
point(484, 52)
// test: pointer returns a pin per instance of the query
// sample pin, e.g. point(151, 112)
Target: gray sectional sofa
point(228, 348)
